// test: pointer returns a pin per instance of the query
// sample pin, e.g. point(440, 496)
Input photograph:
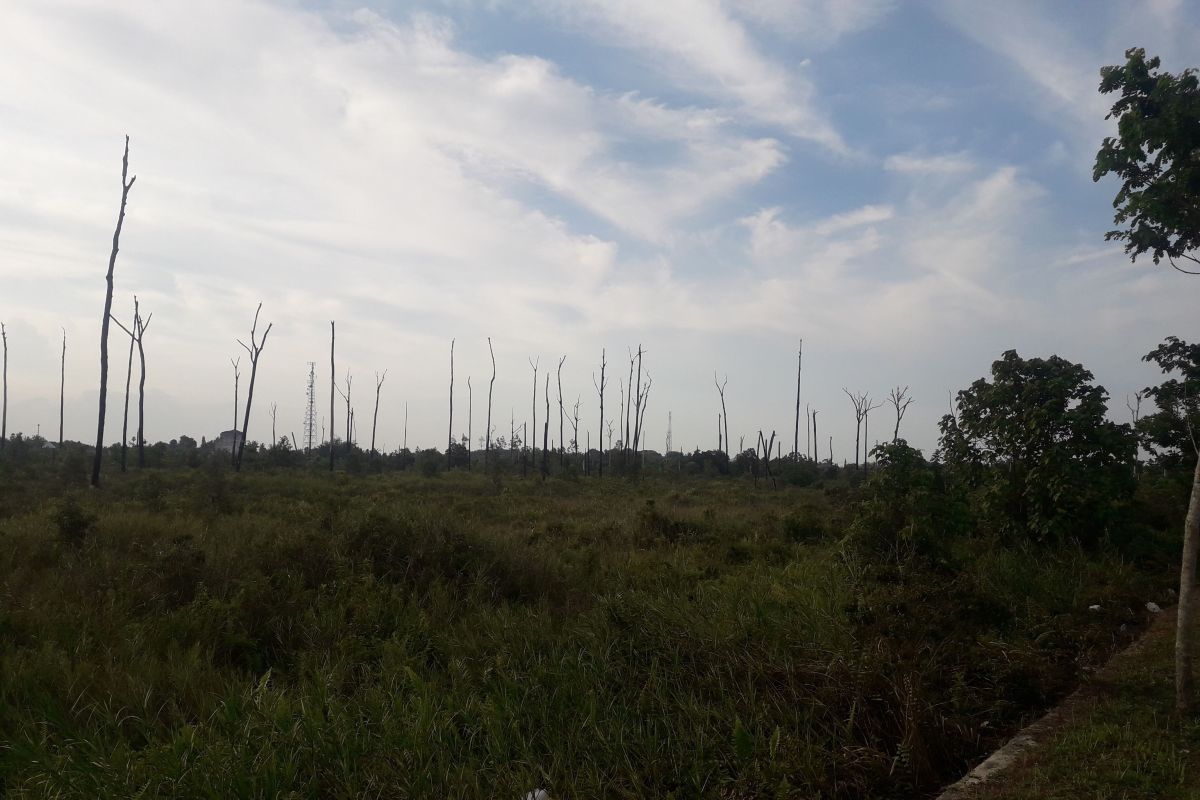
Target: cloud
point(820, 22)
point(701, 46)
point(946, 164)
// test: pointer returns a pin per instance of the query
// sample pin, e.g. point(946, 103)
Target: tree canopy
point(1156, 154)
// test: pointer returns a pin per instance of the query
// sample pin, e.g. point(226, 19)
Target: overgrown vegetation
point(189, 632)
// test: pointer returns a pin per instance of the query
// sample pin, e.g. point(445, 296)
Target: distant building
point(227, 441)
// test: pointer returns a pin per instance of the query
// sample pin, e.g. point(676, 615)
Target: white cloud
point(821, 22)
point(948, 163)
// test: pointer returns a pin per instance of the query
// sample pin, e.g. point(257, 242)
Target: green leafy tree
point(1169, 432)
point(1156, 154)
point(1036, 448)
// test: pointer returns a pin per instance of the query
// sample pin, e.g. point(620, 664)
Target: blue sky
point(904, 186)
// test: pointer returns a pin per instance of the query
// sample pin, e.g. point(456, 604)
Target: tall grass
point(454, 636)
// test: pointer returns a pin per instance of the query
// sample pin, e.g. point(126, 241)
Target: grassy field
point(190, 633)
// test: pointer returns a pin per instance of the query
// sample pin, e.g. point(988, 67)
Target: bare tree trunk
point(112, 263)
point(141, 434)
point(128, 380)
point(561, 440)
point(332, 386)
point(406, 426)
point(720, 436)
point(62, 389)
point(450, 433)
point(900, 400)
point(274, 410)
point(375, 417)
point(488, 455)
point(4, 405)
point(470, 419)
point(817, 441)
point(620, 409)
point(533, 404)
point(724, 414)
point(237, 376)
point(600, 391)
point(546, 432)
point(255, 349)
point(637, 409)
point(626, 442)
point(799, 365)
point(1184, 625)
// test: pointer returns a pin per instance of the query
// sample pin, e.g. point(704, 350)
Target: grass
point(1121, 740)
point(192, 634)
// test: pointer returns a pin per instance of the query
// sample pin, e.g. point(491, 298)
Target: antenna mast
point(310, 409)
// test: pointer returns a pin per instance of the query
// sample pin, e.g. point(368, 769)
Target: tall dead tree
point(470, 419)
point(562, 447)
point(4, 404)
point(725, 416)
point(332, 386)
point(237, 377)
point(488, 451)
point(643, 400)
point(817, 442)
point(142, 324)
point(255, 349)
point(600, 391)
point(379, 379)
point(620, 408)
point(799, 365)
point(112, 263)
point(626, 442)
point(135, 340)
point(349, 411)
point(274, 411)
point(862, 407)
point(62, 388)
point(900, 401)
point(720, 435)
point(128, 380)
point(546, 432)
point(405, 445)
point(533, 449)
point(575, 427)
point(638, 413)
point(450, 434)
point(807, 431)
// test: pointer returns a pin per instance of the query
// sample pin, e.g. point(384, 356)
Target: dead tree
point(135, 339)
point(533, 449)
point(4, 405)
point(575, 426)
point(807, 431)
point(766, 450)
point(255, 349)
point(112, 263)
point(600, 391)
point(862, 407)
point(1135, 413)
point(405, 445)
point(142, 324)
point(450, 433)
point(629, 402)
point(720, 435)
point(546, 432)
point(62, 388)
point(274, 410)
point(379, 379)
point(128, 380)
point(562, 448)
point(470, 419)
point(900, 401)
point(643, 400)
point(799, 365)
point(332, 387)
point(237, 376)
point(487, 459)
point(620, 408)
point(816, 441)
point(725, 416)
point(638, 411)
point(349, 411)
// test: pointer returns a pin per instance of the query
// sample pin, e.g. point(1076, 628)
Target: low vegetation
point(191, 632)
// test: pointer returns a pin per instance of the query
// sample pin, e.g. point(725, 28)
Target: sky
point(904, 187)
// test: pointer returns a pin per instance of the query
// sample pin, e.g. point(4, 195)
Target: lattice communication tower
point(310, 409)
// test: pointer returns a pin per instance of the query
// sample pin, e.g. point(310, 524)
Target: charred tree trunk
point(332, 387)
point(533, 404)
point(141, 434)
point(375, 417)
point(255, 349)
point(112, 263)
point(638, 413)
point(628, 404)
point(488, 452)
point(817, 441)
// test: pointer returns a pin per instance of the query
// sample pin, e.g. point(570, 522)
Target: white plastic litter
point(1093, 608)
point(1152, 607)
point(537, 794)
